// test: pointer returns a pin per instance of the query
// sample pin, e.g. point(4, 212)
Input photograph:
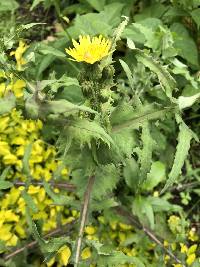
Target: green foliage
point(7, 104)
point(116, 120)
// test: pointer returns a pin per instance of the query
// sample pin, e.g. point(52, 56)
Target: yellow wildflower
point(19, 54)
point(64, 255)
point(174, 223)
point(166, 258)
point(184, 248)
point(10, 159)
point(192, 249)
point(20, 231)
point(4, 148)
point(89, 50)
point(192, 235)
point(86, 253)
point(190, 259)
point(90, 230)
point(51, 262)
point(125, 227)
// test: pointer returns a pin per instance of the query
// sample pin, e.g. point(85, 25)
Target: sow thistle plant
point(107, 145)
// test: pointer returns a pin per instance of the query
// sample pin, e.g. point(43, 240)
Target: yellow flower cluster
point(15, 86)
point(15, 134)
point(18, 54)
point(189, 252)
point(89, 50)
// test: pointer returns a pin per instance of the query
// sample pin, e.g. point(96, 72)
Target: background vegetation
point(100, 163)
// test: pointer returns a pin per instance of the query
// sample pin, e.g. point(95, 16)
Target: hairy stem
point(83, 217)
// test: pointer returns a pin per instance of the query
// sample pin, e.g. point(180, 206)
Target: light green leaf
point(29, 201)
point(126, 117)
point(48, 246)
point(50, 50)
point(84, 131)
point(186, 102)
point(8, 5)
point(7, 104)
point(184, 43)
point(25, 160)
point(118, 258)
point(4, 173)
point(59, 199)
point(106, 179)
point(30, 25)
point(196, 16)
point(182, 69)
point(125, 141)
point(96, 4)
point(5, 184)
point(142, 208)
point(184, 139)
point(156, 175)
point(166, 80)
point(145, 153)
point(128, 73)
point(35, 3)
point(63, 107)
point(130, 172)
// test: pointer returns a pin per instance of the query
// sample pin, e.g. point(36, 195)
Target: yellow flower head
point(89, 49)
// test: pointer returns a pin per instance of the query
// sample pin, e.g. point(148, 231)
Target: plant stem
point(32, 244)
point(83, 217)
point(133, 219)
point(68, 186)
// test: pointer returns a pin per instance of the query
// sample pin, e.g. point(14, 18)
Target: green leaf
point(63, 107)
point(98, 23)
point(4, 173)
point(104, 204)
point(48, 246)
point(125, 141)
point(166, 80)
point(196, 16)
point(185, 45)
point(25, 160)
point(122, 119)
point(30, 25)
point(64, 81)
point(130, 172)
point(7, 104)
point(156, 175)
point(182, 69)
point(84, 131)
point(186, 102)
point(184, 139)
point(142, 208)
point(35, 3)
point(29, 201)
point(106, 178)
point(96, 4)
point(5, 184)
point(117, 258)
point(128, 73)
point(160, 204)
point(145, 154)
point(59, 199)
point(8, 5)
point(50, 50)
